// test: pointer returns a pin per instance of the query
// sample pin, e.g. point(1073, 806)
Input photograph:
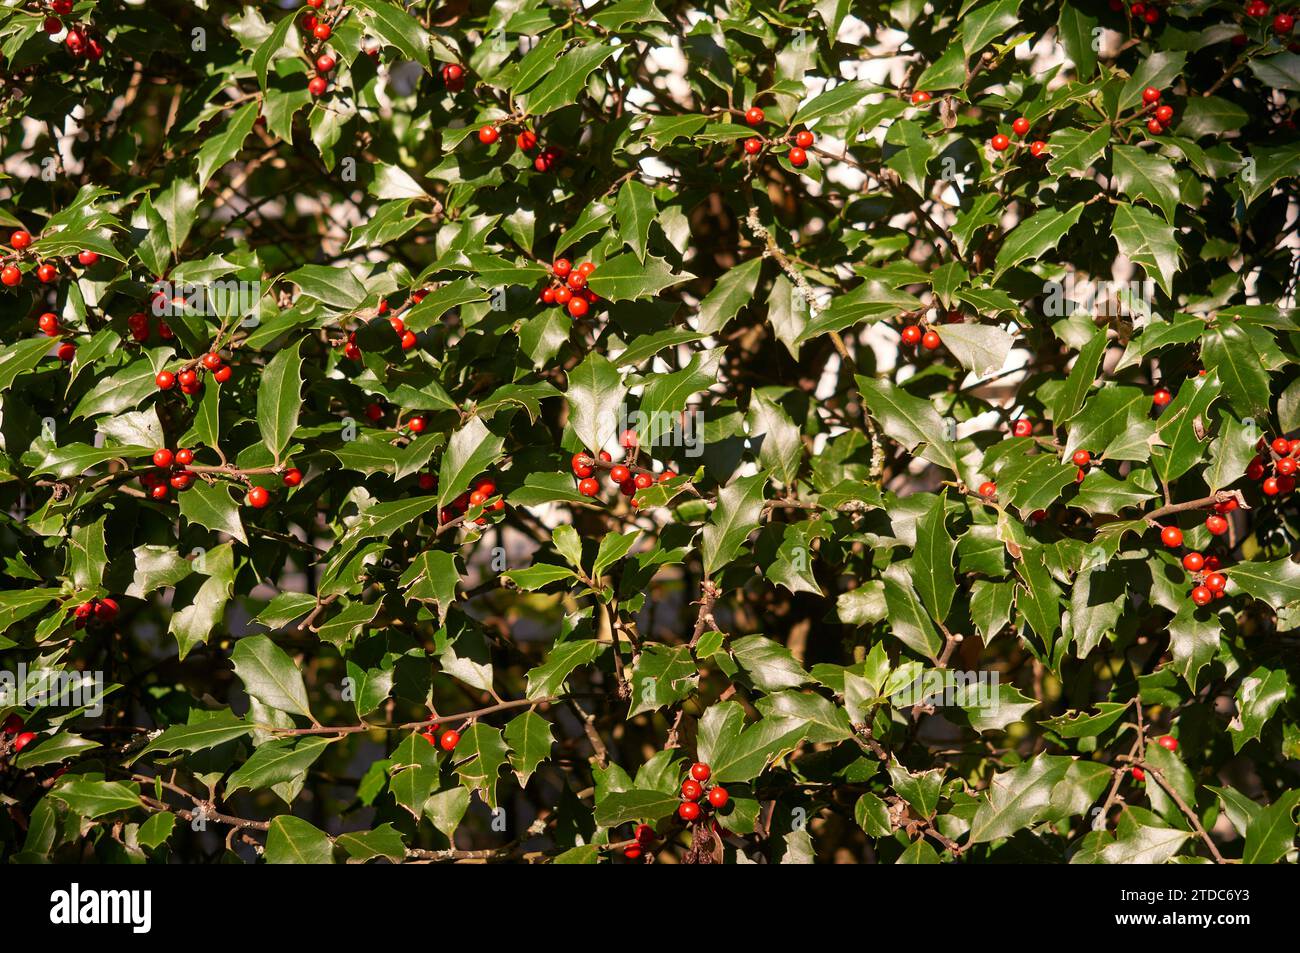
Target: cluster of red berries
point(190, 376)
point(1081, 459)
point(1169, 743)
point(1210, 583)
point(98, 610)
point(567, 287)
point(1161, 115)
point(799, 143)
point(1147, 13)
point(620, 474)
point(1283, 23)
point(927, 338)
point(447, 741)
point(321, 29)
point(139, 326)
point(47, 272)
point(1284, 455)
point(172, 472)
point(352, 350)
point(80, 42)
point(1020, 126)
point(526, 140)
point(693, 789)
point(481, 491)
point(13, 727)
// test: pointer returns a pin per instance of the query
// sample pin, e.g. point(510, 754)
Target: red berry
point(692, 789)
point(20, 239)
point(627, 487)
point(664, 478)
point(318, 85)
point(488, 135)
point(162, 457)
point(159, 491)
point(1226, 506)
point(1081, 458)
point(10, 276)
point(526, 140)
point(49, 323)
point(13, 724)
point(988, 489)
point(1164, 114)
point(258, 497)
point(1271, 487)
point(798, 158)
point(701, 771)
point(1286, 466)
point(1151, 15)
point(211, 360)
point(1255, 469)
point(1285, 484)
point(688, 811)
point(409, 340)
point(416, 424)
point(1150, 95)
point(66, 352)
point(292, 477)
point(321, 31)
point(1139, 774)
point(753, 115)
point(1202, 596)
point(604, 456)
point(804, 139)
point(1217, 525)
point(586, 268)
point(588, 486)
point(632, 852)
point(222, 374)
point(1168, 742)
point(1023, 427)
point(106, 609)
point(450, 738)
point(1154, 127)
point(1216, 582)
point(643, 480)
point(581, 464)
point(325, 63)
point(1193, 562)
point(577, 307)
point(1283, 23)
point(1037, 148)
point(999, 143)
point(919, 97)
point(52, 25)
point(930, 340)
point(753, 146)
point(1281, 446)
point(375, 412)
point(911, 334)
point(1161, 398)
point(563, 295)
point(620, 474)
point(644, 833)
point(562, 267)
point(576, 280)
point(46, 273)
point(184, 456)
point(27, 737)
point(1171, 536)
point(719, 797)
point(188, 378)
point(1020, 126)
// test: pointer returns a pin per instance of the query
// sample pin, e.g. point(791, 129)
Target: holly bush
point(646, 430)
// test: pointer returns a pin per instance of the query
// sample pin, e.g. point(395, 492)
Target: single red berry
point(321, 31)
point(576, 280)
point(753, 115)
point(211, 360)
point(664, 478)
point(10, 276)
point(1202, 595)
point(1193, 562)
point(798, 158)
point(162, 457)
point(586, 268)
point(1139, 774)
point(644, 833)
point(548, 295)
point(988, 489)
point(20, 239)
point(477, 498)
point(588, 486)
point(488, 135)
point(1211, 563)
point(911, 334)
point(1137, 9)
point(1037, 148)
point(563, 295)
point(1082, 458)
point(1217, 525)
point(1154, 127)
point(165, 380)
point(1164, 114)
point(627, 487)
point(1281, 446)
point(258, 497)
point(222, 374)
point(106, 609)
point(688, 811)
point(701, 771)
point(692, 789)
point(49, 323)
point(1168, 742)
point(632, 852)
point(375, 412)
point(581, 464)
point(620, 474)
point(577, 307)
point(1286, 466)
point(45, 273)
point(159, 491)
point(1020, 126)
point(1150, 95)
point(450, 738)
point(643, 480)
point(930, 340)
point(13, 724)
point(604, 456)
point(188, 377)
point(292, 477)
point(1225, 506)
point(919, 97)
point(1283, 24)
point(66, 352)
point(184, 456)
point(719, 797)
point(52, 25)
point(318, 85)
point(526, 140)
point(562, 267)
point(325, 62)
point(1216, 582)
point(999, 143)
point(416, 425)
point(409, 340)
point(427, 481)
point(1161, 398)
point(804, 139)
point(1171, 536)
point(1022, 427)
point(1255, 469)
point(753, 146)
point(1151, 15)
point(27, 737)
